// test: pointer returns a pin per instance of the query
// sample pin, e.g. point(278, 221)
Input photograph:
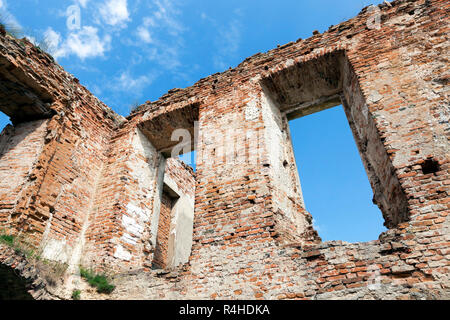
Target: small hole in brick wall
point(334, 183)
point(430, 165)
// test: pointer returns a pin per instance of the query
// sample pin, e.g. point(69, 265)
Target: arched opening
point(12, 286)
point(4, 121)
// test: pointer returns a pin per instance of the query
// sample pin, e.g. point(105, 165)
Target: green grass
point(9, 240)
point(99, 281)
point(53, 271)
point(76, 295)
point(19, 248)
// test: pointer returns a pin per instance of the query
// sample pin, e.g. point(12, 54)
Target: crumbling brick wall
point(54, 202)
point(20, 147)
point(160, 257)
point(252, 236)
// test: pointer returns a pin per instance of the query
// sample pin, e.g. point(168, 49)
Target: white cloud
point(228, 43)
point(83, 2)
point(127, 83)
point(165, 55)
point(163, 19)
point(163, 22)
point(84, 43)
point(8, 18)
point(115, 12)
point(32, 39)
point(315, 225)
point(166, 17)
point(144, 34)
point(53, 40)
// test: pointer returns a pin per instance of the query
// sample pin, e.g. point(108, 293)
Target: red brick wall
point(160, 257)
point(182, 174)
point(124, 204)
point(100, 176)
point(20, 147)
point(126, 211)
point(55, 201)
point(394, 93)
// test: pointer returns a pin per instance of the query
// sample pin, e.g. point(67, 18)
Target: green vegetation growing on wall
point(99, 281)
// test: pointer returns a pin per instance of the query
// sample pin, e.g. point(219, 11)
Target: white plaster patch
point(251, 111)
point(256, 79)
point(289, 62)
point(132, 226)
point(129, 239)
point(142, 214)
point(55, 250)
point(122, 254)
point(374, 97)
point(146, 115)
point(174, 222)
point(365, 112)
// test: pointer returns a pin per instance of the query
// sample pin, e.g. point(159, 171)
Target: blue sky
point(127, 52)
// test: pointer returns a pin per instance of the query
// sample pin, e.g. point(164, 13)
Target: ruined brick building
point(85, 186)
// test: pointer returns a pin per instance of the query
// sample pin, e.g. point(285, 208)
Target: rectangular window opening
point(336, 188)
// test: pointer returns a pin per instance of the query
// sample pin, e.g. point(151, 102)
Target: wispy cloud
point(82, 3)
point(144, 34)
point(126, 82)
point(125, 89)
point(8, 19)
point(115, 12)
point(84, 43)
point(164, 23)
point(165, 17)
point(228, 42)
point(53, 39)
